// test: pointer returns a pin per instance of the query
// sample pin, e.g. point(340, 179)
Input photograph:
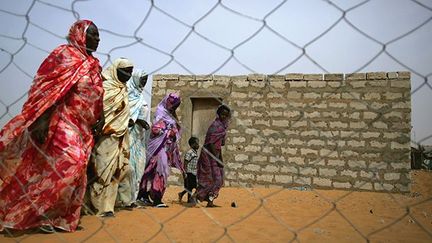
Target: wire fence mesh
point(263, 202)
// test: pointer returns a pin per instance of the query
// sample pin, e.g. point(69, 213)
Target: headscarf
point(79, 40)
point(225, 123)
point(116, 102)
point(57, 74)
point(136, 96)
point(162, 110)
point(111, 72)
point(135, 83)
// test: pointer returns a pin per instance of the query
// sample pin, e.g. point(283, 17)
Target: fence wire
point(174, 58)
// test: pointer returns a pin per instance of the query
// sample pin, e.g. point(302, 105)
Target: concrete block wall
point(344, 131)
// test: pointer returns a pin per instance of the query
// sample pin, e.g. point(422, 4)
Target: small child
point(190, 161)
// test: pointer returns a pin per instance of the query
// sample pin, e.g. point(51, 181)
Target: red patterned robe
point(44, 184)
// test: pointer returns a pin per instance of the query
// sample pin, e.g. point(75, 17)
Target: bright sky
point(230, 38)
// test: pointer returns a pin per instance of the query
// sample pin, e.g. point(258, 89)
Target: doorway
point(203, 114)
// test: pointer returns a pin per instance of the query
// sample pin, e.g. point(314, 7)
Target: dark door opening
point(203, 113)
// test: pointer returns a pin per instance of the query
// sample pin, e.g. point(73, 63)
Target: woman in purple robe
point(210, 163)
point(162, 152)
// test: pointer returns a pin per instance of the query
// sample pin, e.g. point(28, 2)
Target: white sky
point(159, 43)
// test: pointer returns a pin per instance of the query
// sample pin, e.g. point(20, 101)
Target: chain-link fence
point(190, 39)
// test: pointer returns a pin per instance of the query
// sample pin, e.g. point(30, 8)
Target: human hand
point(220, 161)
point(131, 123)
point(39, 129)
point(98, 126)
point(220, 164)
point(143, 124)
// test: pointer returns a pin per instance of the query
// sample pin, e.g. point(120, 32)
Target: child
point(190, 163)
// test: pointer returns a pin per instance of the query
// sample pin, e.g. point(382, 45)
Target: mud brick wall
point(345, 131)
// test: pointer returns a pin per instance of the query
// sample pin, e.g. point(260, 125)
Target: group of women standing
point(80, 120)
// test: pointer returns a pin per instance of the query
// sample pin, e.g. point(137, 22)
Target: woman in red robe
point(44, 150)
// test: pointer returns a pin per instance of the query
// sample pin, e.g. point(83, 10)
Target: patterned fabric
point(137, 134)
point(112, 174)
point(44, 184)
point(191, 159)
point(162, 150)
point(111, 153)
point(210, 173)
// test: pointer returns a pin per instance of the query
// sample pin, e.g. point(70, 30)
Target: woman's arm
point(39, 128)
point(158, 128)
point(97, 128)
point(143, 124)
point(211, 150)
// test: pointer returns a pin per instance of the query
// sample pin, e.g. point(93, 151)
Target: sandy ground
point(268, 215)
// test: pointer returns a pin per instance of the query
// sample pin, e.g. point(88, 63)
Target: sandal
point(161, 205)
point(130, 207)
point(48, 229)
point(107, 215)
point(144, 202)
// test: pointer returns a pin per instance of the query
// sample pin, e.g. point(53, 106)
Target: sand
point(267, 215)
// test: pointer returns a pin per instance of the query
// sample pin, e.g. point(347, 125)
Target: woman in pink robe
point(162, 151)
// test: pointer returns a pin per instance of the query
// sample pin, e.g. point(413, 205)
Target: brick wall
point(348, 131)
